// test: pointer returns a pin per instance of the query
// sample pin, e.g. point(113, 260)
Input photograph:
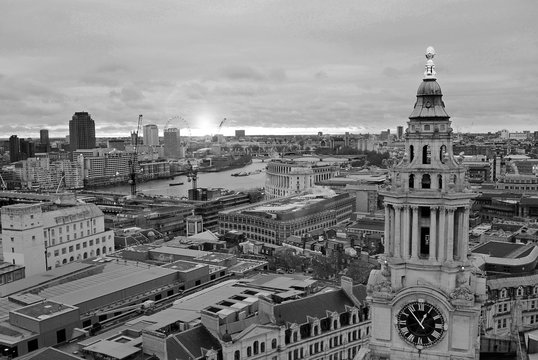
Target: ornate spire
point(430, 66)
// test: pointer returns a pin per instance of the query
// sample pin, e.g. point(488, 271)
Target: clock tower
point(426, 299)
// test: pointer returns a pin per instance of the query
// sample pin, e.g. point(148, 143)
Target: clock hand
point(423, 318)
point(419, 322)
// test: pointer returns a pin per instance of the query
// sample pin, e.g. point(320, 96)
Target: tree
point(286, 259)
point(324, 267)
point(359, 271)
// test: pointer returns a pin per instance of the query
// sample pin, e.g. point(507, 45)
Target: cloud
point(304, 63)
point(242, 72)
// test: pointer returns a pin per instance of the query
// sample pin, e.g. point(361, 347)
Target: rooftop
point(285, 205)
point(182, 265)
point(191, 343)
point(315, 306)
point(44, 309)
point(282, 282)
point(499, 249)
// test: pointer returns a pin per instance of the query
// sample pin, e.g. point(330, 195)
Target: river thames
point(222, 179)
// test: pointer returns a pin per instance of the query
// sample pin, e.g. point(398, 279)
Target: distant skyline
point(268, 66)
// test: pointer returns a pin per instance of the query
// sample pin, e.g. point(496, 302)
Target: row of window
point(427, 127)
point(520, 187)
point(338, 355)
point(77, 247)
point(82, 256)
point(520, 291)
point(84, 244)
point(254, 349)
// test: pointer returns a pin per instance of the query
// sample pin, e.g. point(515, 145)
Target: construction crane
point(61, 183)
point(215, 138)
point(4, 186)
point(220, 125)
point(133, 162)
point(192, 175)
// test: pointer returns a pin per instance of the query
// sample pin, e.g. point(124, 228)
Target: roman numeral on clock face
point(420, 323)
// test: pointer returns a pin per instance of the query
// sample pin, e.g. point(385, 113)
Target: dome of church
point(429, 87)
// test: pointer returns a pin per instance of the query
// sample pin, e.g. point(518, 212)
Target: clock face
point(420, 323)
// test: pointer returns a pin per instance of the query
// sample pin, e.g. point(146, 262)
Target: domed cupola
point(429, 105)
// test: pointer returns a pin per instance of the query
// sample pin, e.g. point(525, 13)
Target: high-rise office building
point(399, 131)
point(44, 137)
point(44, 142)
point(171, 142)
point(14, 148)
point(20, 149)
point(81, 131)
point(151, 135)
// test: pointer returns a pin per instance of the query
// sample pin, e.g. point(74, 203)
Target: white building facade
point(285, 177)
point(41, 240)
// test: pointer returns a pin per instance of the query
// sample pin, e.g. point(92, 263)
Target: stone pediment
point(256, 330)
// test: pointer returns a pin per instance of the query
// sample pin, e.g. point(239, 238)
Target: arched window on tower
point(442, 154)
point(440, 179)
point(426, 181)
point(411, 181)
point(426, 155)
point(411, 153)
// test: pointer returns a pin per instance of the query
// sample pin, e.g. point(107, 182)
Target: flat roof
point(498, 249)
point(42, 278)
point(183, 265)
point(44, 309)
point(246, 265)
point(214, 257)
point(283, 282)
point(179, 251)
point(114, 278)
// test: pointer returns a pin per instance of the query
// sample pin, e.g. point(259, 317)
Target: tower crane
point(133, 162)
point(4, 186)
point(192, 175)
point(220, 125)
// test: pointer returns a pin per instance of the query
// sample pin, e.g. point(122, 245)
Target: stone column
point(415, 233)
point(397, 230)
point(459, 251)
point(405, 235)
point(393, 230)
point(388, 244)
point(450, 235)
point(433, 232)
point(441, 240)
point(465, 226)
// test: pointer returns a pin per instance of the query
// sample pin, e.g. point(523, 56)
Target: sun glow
point(205, 123)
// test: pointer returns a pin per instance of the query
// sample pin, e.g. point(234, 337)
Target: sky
point(267, 66)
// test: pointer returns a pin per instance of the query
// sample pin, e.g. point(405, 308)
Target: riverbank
point(221, 179)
